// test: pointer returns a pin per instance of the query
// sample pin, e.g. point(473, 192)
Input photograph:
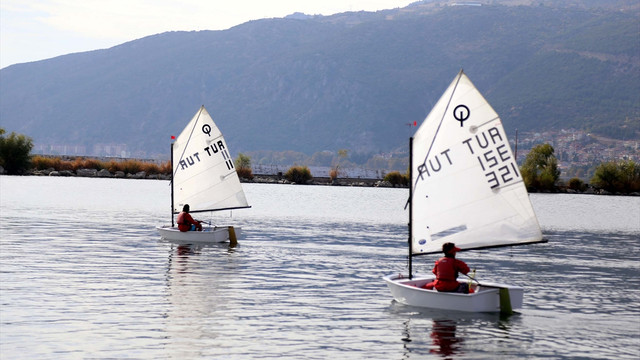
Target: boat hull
point(209, 234)
point(487, 297)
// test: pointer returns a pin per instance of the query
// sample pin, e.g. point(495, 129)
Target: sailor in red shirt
point(446, 271)
point(186, 222)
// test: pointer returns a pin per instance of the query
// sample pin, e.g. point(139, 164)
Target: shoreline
point(258, 179)
point(279, 179)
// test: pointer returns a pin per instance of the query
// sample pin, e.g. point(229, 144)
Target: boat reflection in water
point(180, 252)
point(435, 332)
point(443, 336)
point(196, 289)
point(444, 340)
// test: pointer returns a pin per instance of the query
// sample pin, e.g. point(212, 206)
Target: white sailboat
point(465, 188)
point(204, 177)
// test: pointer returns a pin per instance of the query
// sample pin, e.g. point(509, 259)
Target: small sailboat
point(204, 177)
point(465, 188)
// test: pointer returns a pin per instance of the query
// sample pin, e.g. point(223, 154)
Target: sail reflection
point(196, 289)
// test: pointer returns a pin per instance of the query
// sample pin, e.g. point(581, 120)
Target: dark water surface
point(83, 274)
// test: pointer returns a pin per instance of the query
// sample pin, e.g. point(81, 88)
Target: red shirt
point(185, 221)
point(446, 270)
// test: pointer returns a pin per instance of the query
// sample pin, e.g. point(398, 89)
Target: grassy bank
point(127, 166)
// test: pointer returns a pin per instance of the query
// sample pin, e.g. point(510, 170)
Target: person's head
point(450, 249)
point(185, 208)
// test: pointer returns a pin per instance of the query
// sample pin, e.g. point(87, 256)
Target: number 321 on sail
point(494, 155)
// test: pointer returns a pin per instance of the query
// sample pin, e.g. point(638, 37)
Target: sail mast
point(172, 224)
point(410, 208)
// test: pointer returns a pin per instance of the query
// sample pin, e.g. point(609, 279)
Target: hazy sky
point(33, 30)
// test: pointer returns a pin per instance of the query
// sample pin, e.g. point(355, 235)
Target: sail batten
point(466, 185)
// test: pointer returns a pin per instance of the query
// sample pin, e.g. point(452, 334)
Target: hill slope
point(349, 81)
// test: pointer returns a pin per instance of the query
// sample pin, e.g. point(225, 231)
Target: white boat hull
point(485, 299)
point(209, 234)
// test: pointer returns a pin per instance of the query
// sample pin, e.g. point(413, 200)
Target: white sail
point(204, 175)
point(467, 188)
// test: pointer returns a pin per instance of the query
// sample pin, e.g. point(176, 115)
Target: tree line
point(539, 171)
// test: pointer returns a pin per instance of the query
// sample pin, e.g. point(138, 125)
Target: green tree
point(15, 152)
point(540, 168)
point(630, 176)
point(242, 161)
point(243, 166)
point(623, 176)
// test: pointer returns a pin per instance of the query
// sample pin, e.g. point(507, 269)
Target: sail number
point(435, 164)
point(493, 153)
point(491, 150)
point(211, 150)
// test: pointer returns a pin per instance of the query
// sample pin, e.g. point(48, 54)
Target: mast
point(410, 206)
point(172, 224)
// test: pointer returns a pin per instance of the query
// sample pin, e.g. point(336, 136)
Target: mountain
point(348, 81)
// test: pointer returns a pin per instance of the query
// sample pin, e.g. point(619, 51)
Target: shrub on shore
point(622, 176)
point(333, 174)
point(298, 174)
point(43, 163)
point(126, 166)
point(243, 166)
point(245, 173)
point(166, 169)
point(576, 184)
point(82, 163)
point(395, 178)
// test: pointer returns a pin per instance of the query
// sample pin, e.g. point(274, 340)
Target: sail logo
point(461, 113)
point(494, 155)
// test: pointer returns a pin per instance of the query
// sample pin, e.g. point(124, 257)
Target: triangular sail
point(467, 188)
point(204, 175)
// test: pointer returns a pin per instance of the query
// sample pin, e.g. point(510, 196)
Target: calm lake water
point(84, 275)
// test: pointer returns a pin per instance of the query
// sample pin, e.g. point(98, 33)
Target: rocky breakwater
point(103, 173)
point(359, 182)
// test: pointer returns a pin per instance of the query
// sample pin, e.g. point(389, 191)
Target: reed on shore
point(127, 166)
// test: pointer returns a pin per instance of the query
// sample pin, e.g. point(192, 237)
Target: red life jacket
point(184, 221)
point(446, 271)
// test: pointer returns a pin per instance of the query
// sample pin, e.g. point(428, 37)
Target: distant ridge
point(351, 81)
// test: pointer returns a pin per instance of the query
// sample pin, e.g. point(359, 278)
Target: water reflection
point(180, 264)
point(430, 332)
point(182, 250)
point(197, 292)
point(444, 339)
point(299, 285)
point(182, 253)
